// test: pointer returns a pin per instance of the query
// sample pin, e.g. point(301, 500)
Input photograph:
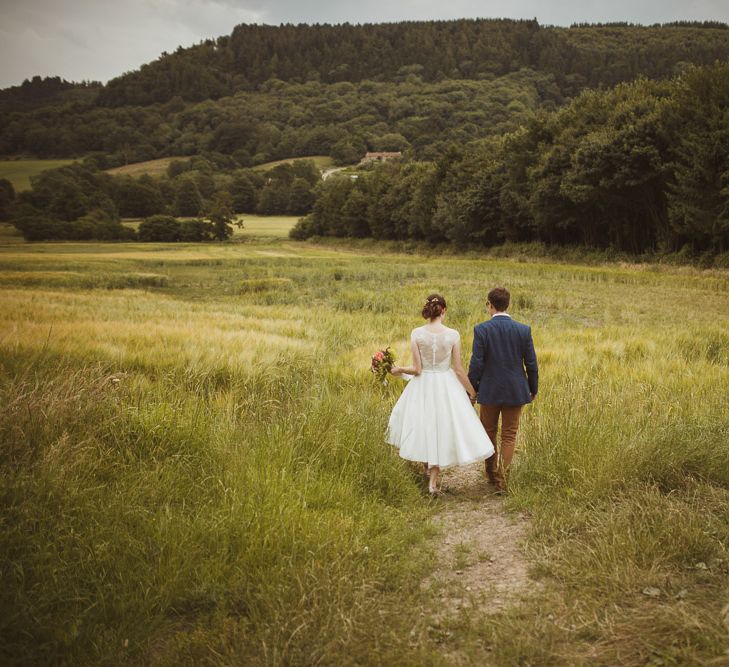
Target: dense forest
point(608, 135)
point(287, 120)
point(433, 51)
point(267, 92)
point(642, 167)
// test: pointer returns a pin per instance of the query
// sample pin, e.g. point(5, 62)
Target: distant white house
point(382, 156)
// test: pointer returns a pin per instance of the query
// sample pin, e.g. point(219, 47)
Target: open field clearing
point(156, 167)
point(18, 172)
point(322, 162)
point(194, 470)
point(9, 235)
point(277, 226)
point(265, 226)
point(159, 166)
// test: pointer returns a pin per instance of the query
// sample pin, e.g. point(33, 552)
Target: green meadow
point(194, 472)
point(277, 226)
point(246, 226)
point(322, 162)
point(159, 166)
point(19, 172)
point(156, 167)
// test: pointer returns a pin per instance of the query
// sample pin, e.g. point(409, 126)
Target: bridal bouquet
point(382, 363)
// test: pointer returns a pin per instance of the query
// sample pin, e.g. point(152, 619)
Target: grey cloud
point(560, 12)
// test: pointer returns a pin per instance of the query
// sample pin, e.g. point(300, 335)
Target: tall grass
point(193, 467)
point(138, 507)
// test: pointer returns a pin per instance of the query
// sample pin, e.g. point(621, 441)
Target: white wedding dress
point(433, 421)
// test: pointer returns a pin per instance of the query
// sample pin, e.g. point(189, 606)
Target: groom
point(503, 370)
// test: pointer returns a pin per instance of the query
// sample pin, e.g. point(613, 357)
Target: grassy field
point(322, 162)
point(18, 172)
point(193, 468)
point(156, 167)
point(254, 226)
point(159, 167)
point(277, 226)
point(9, 235)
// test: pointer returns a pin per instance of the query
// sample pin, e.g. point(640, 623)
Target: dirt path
point(328, 172)
point(481, 562)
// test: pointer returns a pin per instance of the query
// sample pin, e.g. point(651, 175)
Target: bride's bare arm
point(460, 373)
point(417, 366)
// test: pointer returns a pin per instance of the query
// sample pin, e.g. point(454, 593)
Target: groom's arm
point(475, 368)
point(530, 364)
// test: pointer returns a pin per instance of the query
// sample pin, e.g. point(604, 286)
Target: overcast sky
point(100, 39)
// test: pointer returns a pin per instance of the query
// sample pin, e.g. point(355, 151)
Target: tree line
point(80, 202)
point(578, 56)
point(44, 91)
point(641, 167)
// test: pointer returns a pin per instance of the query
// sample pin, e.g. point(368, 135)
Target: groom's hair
point(499, 298)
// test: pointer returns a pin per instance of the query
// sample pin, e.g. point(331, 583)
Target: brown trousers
point(509, 426)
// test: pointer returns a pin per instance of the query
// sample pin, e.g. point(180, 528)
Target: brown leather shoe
point(500, 482)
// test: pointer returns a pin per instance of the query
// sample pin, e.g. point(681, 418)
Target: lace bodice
point(435, 348)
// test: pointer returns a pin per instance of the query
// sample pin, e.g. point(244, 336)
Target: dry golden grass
point(322, 162)
point(276, 226)
point(156, 167)
point(195, 460)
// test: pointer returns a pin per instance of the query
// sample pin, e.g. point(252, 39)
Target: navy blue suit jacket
point(503, 368)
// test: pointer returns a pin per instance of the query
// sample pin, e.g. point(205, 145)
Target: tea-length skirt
point(434, 422)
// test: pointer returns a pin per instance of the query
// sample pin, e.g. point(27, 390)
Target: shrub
point(195, 230)
point(301, 230)
point(163, 228)
point(38, 227)
point(98, 225)
point(95, 225)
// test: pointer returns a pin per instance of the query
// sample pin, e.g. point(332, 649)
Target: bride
point(433, 421)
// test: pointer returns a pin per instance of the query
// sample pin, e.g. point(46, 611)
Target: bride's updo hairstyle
point(434, 306)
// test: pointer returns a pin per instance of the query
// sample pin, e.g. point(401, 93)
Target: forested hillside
point(607, 136)
point(435, 50)
point(51, 90)
point(642, 167)
point(267, 92)
point(285, 120)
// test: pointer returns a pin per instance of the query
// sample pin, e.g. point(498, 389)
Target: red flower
point(381, 365)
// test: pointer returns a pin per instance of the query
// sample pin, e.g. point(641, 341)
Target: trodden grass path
point(480, 567)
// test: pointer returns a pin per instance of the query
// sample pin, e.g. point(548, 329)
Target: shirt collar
point(501, 315)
